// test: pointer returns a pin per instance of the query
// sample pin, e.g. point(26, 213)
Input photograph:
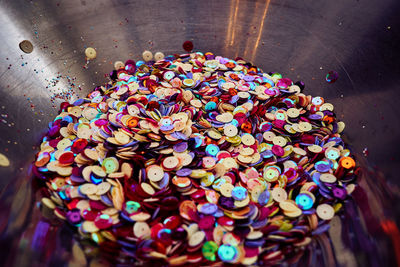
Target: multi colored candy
point(196, 158)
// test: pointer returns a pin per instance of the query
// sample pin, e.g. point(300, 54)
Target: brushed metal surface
point(301, 39)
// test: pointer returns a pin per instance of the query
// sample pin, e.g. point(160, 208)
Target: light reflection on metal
point(230, 23)
point(234, 23)
point(260, 31)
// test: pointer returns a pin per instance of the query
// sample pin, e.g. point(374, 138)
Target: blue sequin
point(211, 106)
point(212, 150)
point(227, 253)
point(304, 201)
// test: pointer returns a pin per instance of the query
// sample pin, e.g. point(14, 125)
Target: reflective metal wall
point(303, 40)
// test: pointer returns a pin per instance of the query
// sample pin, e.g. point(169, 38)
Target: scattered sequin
point(332, 76)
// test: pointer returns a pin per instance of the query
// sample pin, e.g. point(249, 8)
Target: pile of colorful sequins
point(197, 159)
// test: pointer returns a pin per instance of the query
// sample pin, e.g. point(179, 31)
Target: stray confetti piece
point(26, 46)
point(4, 162)
point(90, 53)
point(188, 46)
point(332, 76)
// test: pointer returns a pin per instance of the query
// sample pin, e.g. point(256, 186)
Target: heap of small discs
point(197, 158)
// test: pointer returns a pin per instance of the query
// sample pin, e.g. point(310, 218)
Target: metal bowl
point(303, 40)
